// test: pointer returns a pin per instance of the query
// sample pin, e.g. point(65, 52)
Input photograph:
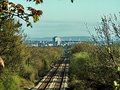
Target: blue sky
point(63, 18)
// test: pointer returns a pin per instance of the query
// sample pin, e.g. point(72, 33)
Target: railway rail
point(56, 78)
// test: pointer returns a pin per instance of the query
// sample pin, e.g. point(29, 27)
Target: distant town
point(56, 41)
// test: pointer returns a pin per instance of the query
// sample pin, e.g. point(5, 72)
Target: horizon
point(54, 36)
point(66, 38)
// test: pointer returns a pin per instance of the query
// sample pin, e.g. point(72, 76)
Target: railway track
point(56, 78)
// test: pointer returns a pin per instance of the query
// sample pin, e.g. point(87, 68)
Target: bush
point(79, 65)
point(90, 68)
point(9, 81)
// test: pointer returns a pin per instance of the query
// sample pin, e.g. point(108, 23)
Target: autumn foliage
point(10, 9)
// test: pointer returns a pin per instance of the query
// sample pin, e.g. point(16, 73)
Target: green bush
point(91, 68)
point(79, 65)
point(9, 81)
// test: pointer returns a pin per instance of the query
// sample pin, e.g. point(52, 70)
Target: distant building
point(56, 41)
point(34, 44)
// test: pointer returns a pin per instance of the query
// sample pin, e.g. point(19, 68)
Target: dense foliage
point(12, 47)
point(90, 70)
point(23, 64)
point(13, 51)
point(96, 66)
point(41, 61)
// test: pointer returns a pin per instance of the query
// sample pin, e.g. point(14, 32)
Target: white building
point(56, 41)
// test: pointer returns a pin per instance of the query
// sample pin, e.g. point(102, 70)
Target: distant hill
point(67, 38)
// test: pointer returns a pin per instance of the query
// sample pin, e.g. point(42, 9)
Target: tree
point(10, 9)
point(12, 47)
point(108, 39)
point(102, 69)
point(108, 35)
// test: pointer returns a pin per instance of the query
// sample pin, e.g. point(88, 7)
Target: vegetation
point(92, 66)
point(89, 70)
point(96, 66)
point(12, 10)
point(23, 64)
point(40, 61)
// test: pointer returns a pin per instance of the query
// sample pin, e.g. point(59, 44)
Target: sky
point(63, 18)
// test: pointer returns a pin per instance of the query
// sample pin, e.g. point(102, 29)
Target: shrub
point(9, 81)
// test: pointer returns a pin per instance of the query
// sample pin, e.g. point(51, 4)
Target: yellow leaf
point(115, 83)
point(35, 17)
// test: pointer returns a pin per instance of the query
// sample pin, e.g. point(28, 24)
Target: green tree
point(12, 48)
